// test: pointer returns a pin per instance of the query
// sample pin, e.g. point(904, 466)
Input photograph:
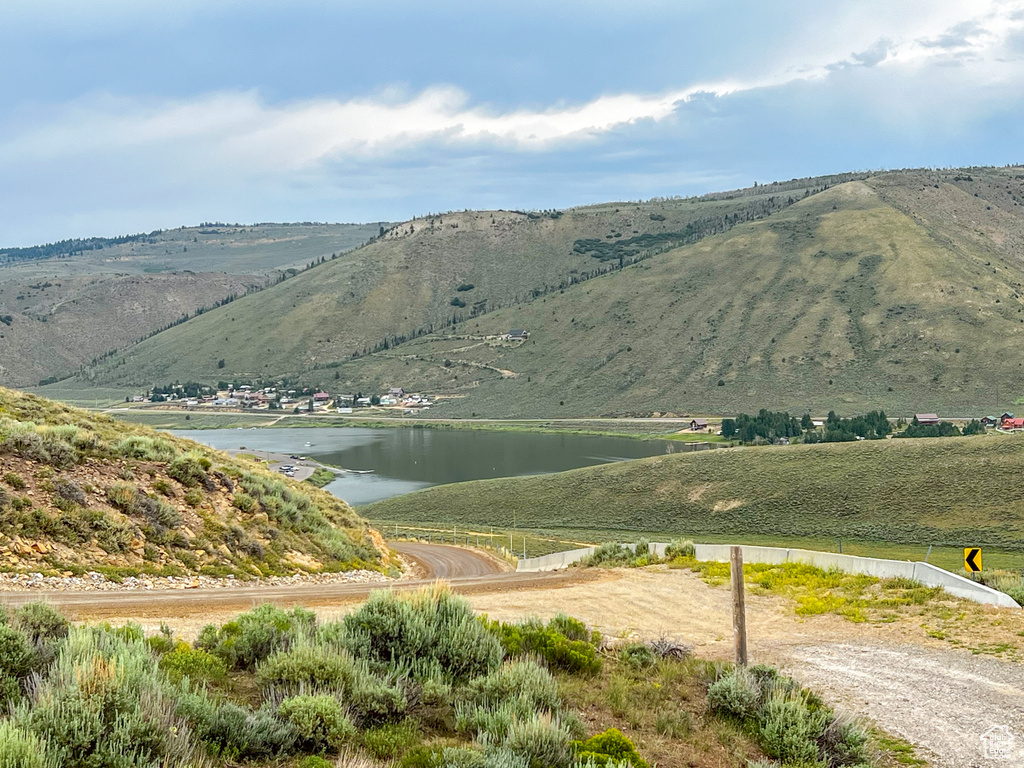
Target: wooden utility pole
point(739, 610)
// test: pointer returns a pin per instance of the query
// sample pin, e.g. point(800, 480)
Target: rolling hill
point(50, 328)
point(82, 492)
point(66, 303)
point(949, 491)
point(424, 274)
point(900, 290)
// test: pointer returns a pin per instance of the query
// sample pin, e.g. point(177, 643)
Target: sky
point(123, 116)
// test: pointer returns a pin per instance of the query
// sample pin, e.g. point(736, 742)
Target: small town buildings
point(321, 397)
point(396, 392)
point(927, 419)
point(389, 400)
point(1005, 415)
point(363, 402)
point(698, 425)
point(1013, 425)
point(989, 421)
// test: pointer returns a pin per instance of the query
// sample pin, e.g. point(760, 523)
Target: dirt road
point(468, 570)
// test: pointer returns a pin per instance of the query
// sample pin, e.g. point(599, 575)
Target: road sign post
point(972, 559)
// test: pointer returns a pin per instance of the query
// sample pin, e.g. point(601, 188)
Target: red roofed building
point(1013, 424)
point(321, 397)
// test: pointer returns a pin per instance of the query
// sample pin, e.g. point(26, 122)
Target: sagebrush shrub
point(519, 679)
point(789, 730)
point(20, 748)
point(736, 693)
point(319, 721)
point(68, 489)
point(432, 633)
point(307, 667)
point(146, 448)
point(254, 635)
point(542, 739)
point(189, 469)
point(390, 740)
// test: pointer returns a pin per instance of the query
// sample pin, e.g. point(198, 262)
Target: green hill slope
point(408, 281)
point(902, 291)
point(951, 491)
point(80, 491)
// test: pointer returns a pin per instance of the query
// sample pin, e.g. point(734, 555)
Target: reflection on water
point(406, 459)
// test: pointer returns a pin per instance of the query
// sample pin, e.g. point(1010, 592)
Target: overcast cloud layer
point(129, 115)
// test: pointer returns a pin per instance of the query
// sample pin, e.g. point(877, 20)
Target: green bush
point(736, 693)
point(789, 730)
point(122, 495)
point(680, 548)
point(637, 656)
point(145, 448)
point(560, 652)
point(390, 740)
point(69, 490)
point(319, 721)
point(193, 497)
point(253, 636)
point(14, 480)
point(16, 653)
point(519, 679)
point(189, 469)
point(20, 748)
point(610, 746)
point(306, 668)
point(41, 623)
point(104, 703)
point(245, 503)
point(234, 732)
point(542, 739)
point(193, 663)
point(430, 634)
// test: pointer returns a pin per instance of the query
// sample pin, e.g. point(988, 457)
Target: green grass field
point(889, 498)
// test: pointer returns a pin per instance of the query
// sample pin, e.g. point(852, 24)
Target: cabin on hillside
point(698, 425)
point(989, 422)
point(927, 419)
point(517, 334)
point(396, 392)
point(1013, 425)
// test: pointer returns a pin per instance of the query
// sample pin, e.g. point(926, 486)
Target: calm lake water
point(405, 460)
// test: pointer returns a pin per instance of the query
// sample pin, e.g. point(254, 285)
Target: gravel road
point(468, 571)
point(943, 701)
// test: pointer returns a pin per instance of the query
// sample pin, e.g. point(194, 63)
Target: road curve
point(467, 571)
point(436, 561)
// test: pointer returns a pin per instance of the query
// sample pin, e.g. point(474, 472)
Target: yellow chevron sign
point(972, 559)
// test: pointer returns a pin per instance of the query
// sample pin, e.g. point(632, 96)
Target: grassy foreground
point(951, 493)
point(417, 682)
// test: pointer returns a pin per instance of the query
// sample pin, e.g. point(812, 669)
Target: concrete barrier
point(924, 573)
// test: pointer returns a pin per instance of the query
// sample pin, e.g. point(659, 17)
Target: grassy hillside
point(902, 291)
point(953, 491)
point(240, 250)
point(79, 491)
point(422, 275)
point(52, 327)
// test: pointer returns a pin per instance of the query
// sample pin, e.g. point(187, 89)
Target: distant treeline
point(68, 248)
point(772, 426)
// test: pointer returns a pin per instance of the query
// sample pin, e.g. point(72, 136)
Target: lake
point(404, 460)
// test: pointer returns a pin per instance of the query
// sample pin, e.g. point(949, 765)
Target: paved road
point(466, 570)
